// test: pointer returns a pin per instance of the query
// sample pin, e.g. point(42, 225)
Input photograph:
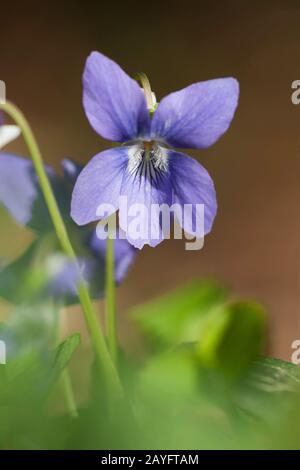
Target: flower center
point(147, 159)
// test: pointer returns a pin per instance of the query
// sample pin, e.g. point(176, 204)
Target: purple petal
point(114, 103)
point(18, 187)
point(192, 185)
point(143, 191)
point(197, 116)
point(99, 183)
point(125, 254)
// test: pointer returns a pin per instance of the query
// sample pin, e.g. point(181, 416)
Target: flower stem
point(93, 326)
point(110, 298)
point(142, 78)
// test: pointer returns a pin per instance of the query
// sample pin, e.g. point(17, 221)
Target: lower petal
point(144, 189)
point(98, 186)
point(192, 187)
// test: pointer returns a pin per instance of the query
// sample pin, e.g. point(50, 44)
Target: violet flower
point(144, 168)
point(21, 196)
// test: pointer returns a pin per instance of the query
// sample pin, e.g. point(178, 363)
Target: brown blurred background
point(254, 247)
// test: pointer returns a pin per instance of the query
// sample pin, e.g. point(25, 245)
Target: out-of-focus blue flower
point(145, 169)
point(20, 194)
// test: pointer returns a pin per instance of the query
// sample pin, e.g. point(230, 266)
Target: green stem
point(110, 298)
point(93, 326)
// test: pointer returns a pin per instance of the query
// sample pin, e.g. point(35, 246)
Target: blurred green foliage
point(202, 382)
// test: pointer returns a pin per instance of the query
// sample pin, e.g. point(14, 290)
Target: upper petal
point(99, 183)
point(114, 103)
point(192, 186)
point(196, 116)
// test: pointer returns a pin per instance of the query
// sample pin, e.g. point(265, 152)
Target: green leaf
point(269, 389)
point(274, 375)
point(167, 383)
point(227, 337)
point(231, 337)
point(173, 318)
point(65, 351)
point(27, 378)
